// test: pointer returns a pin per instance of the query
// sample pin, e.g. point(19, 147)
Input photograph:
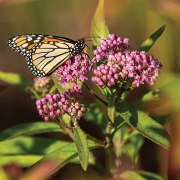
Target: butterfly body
point(45, 53)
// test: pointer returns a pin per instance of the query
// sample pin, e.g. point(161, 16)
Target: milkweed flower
point(41, 84)
point(54, 105)
point(120, 65)
point(74, 69)
point(110, 46)
point(39, 88)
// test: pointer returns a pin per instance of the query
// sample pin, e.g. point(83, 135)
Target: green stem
point(108, 147)
point(117, 128)
point(65, 127)
point(98, 142)
point(34, 92)
point(94, 94)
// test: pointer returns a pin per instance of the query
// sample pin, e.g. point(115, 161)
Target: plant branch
point(94, 94)
point(101, 143)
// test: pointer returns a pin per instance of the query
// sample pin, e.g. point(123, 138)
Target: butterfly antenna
point(90, 37)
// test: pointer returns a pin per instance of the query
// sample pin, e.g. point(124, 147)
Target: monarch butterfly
point(45, 53)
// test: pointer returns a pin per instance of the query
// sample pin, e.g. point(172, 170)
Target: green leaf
point(152, 39)
point(165, 95)
point(63, 155)
point(52, 90)
point(111, 107)
point(29, 129)
point(58, 85)
point(132, 146)
point(30, 145)
point(82, 147)
point(33, 92)
point(15, 79)
point(96, 115)
point(131, 175)
point(118, 123)
point(98, 26)
point(162, 119)
point(150, 175)
point(25, 160)
point(130, 142)
point(26, 151)
point(144, 124)
point(139, 175)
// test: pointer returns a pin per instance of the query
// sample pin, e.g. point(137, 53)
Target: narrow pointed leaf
point(26, 151)
point(150, 175)
point(25, 160)
point(58, 85)
point(139, 175)
point(52, 90)
point(82, 147)
point(152, 39)
point(30, 145)
point(64, 155)
point(15, 79)
point(144, 124)
point(166, 94)
point(29, 129)
point(96, 115)
point(131, 175)
point(98, 26)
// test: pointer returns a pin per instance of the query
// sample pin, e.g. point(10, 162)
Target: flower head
point(75, 68)
point(120, 65)
point(111, 45)
point(54, 105)
point(41, 84)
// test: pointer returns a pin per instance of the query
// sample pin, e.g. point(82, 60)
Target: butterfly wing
point(44, 53)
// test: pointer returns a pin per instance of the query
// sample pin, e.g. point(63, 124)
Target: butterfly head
point(79, 46)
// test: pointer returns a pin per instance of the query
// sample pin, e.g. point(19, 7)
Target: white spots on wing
point(29, 38)
point(25, 45)
point(14, 38)
point(36, 41)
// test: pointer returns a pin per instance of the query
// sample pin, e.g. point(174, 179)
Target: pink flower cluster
point(41, 83)
point(54, 105)
point(110, 46)
point(122, 65)
point(106, 75)
point(75, 68)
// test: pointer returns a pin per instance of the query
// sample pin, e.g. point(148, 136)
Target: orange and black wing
point(44, 53)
